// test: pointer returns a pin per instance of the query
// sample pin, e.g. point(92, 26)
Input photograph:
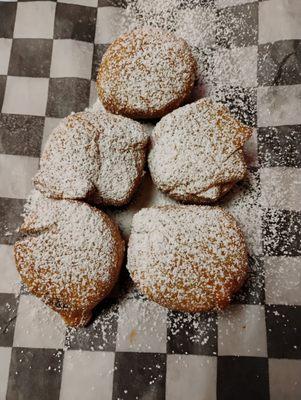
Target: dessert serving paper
point(135, 349)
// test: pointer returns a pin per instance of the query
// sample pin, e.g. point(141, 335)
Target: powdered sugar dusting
point(187, 258)
point(222, 65)
point(71, 257)
point(93, 155)
point(200, 144)
point(204, 28)
point(145, 73)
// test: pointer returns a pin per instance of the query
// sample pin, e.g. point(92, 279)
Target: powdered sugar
point(170, 15)
point(72, 255)
point(93, 155)
point(196, 152)
point(187, 258)
point(145, 73)
point(214, 66)
point(210, 33)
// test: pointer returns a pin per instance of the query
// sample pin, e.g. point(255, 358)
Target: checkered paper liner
point(49, 52)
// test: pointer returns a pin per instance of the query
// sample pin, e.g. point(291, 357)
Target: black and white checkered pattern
point(49, 52)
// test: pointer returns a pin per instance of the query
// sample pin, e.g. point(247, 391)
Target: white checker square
point(16, 173)
point(242, 331)
point(228, 68)
point(93, 94)
point(87, 375)
point(9, 275)
point(111, 23)
point(284, 377)
point(283, 280)
point(71, 58)
point(25, 95)
point(281, 188)
point(5, 47)
point(88, 3)
point(35, 19)
point(279, 20)
point(141, 327)
point(279, 105)
point(38, 326)
point(191, 374)
point(49, 125)
point(5, 354)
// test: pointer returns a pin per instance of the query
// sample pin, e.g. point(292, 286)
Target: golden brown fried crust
point(206, 133)
point(68, 303)
point(112, 106)
point(93, 198)
point(112, 66)
point(220, 302)
point(216, 299)
point(191, 199)
point(86, 158)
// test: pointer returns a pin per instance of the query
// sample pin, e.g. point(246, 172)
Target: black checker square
point(74, 21)
point(112, 3)
point(10, 219)
point(188, 4)
point(279, 63)
point(139, 375)
point(239, 25)
point(34, 372)
point(242, 103)
point(100, 334)
point(8, 12)
point(8, 315)
point(99, 50)
point(279, 146)
point(192, 333)
point(283, 324)
point(21, 134)
point(281, 233)
point(30, 57)
point(66, 95)
point(242, 377)
point(2, 89)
